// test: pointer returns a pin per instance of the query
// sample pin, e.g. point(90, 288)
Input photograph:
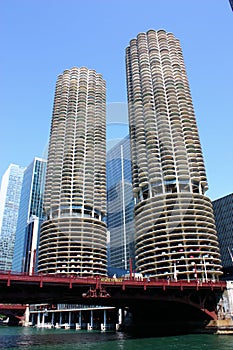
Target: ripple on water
point(13, 338)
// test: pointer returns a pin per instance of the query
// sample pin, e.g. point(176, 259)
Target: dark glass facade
point(231, 3)
point(120, 205)
point(31, 244)
point(223, 212)
point(9, 207)
point(31, 204)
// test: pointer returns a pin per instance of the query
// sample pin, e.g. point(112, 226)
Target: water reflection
point(17, 338)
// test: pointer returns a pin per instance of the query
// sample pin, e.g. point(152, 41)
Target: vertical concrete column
point(80, 318)
point(105, 317)
point(104, 325)
point(38, 319)
point(78, 325)
point(26, 316)
point(120, 316)
point(52, 320)
point(91, 319)
point(33, 319)
point(60, 320)
point(90, 325)
point(42, 323)
point(69, 318)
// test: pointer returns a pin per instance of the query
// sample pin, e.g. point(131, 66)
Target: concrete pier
point(224, 322)
point(73, 316)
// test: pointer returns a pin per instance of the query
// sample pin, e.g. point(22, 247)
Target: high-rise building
point(223, 213)
point(231, 3)
point(120, 205)
point(9, 206)
point(174, 222)
point(73, 238)
point(32, 235)
point(31, 207)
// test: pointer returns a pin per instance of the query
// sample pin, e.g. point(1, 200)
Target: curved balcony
point(170, 234)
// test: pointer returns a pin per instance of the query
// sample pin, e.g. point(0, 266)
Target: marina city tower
point(73, 236)
point(175, 228)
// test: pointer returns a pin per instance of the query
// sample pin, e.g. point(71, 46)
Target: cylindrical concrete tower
point(175, 228)
point(73, 237)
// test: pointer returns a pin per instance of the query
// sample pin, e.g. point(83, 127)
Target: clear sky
point(39, 39)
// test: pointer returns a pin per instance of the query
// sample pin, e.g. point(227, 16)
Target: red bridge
point(156, 301)
point(15, 312)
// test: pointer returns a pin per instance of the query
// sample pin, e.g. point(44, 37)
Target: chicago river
point(49, 339)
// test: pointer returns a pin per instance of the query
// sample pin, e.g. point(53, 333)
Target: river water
point(13, 338)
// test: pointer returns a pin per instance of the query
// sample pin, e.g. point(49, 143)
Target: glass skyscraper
point(120, 205)
point(73, 237)
point(231, 3)
point(223, 213)
point(9, 206)
point(174, 222)
point(31, 207)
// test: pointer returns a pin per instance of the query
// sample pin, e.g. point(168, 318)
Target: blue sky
point(41, 38)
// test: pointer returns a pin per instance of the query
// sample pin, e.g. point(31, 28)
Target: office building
point(32, 235)
point(9, 206)
point(30, 208)
point(120, 206)
point(174, 222)
point(223, 213)
point(73, 238)
point(231, 3)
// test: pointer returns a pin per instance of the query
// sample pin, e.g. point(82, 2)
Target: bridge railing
point(97, 281)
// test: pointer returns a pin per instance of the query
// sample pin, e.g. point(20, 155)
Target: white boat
point(4, 322)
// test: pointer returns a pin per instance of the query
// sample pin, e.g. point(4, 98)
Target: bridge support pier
point(52, 319)
point(119, 319)
point(38, 319)
point(33, 319)
point(26, 321)
point(43, 317)
point(223, 324)
point(120, 316)
point(90, 325)
point(79, 324)
point(104, 325)
point(80, 318)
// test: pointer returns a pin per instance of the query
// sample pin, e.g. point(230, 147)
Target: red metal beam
point(100, 288)
point(9, 278)
point(18, 307)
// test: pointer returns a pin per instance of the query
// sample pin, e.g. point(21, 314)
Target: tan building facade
point(73, 237)
point(175, 228)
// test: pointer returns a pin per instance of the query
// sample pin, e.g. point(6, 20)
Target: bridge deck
point(16, 278)
point(170, 297)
